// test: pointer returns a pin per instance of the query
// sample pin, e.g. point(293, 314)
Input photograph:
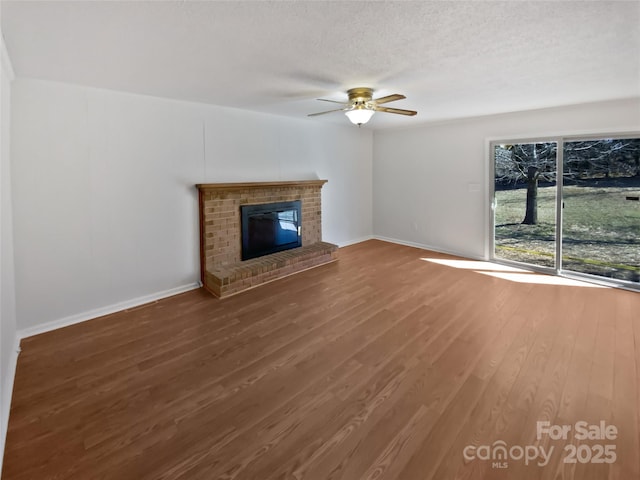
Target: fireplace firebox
point(269, 228)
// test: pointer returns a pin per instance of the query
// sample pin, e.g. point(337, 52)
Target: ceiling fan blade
point(395, 110)
point(328, 111)
point(332, 101)
point(389, 98)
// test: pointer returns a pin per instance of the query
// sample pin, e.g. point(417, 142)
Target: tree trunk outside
point(531, 214)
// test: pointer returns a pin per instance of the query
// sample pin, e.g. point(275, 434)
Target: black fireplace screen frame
point(270, 227)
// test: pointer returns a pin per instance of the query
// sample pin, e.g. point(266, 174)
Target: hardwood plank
point(330, 460)
point(382, 365)
point(624, 411)
point(499, 370)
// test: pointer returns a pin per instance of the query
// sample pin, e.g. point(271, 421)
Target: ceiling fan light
point(359, 116)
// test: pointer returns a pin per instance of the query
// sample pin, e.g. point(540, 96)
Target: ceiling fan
point(361, 105)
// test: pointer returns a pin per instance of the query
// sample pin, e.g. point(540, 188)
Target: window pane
point(601, 216)
point(525, 203)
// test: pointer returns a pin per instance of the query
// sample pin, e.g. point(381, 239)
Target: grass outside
point(601, 229)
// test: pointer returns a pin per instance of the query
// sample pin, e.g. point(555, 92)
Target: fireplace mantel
point(223, 272)
point(249, 185)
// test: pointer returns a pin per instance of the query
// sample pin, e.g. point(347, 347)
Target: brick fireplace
point(222, 271)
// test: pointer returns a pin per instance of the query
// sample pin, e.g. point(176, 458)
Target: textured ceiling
point(451, 59)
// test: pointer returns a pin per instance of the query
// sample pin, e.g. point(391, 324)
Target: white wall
point(104, 200)
point(431, 183)
point(8, 339)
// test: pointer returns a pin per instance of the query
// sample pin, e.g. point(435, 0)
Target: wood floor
point(380, 366)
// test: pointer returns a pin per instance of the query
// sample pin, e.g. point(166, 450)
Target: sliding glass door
point(569, 205)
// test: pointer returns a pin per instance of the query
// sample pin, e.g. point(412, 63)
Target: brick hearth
point(223, 272)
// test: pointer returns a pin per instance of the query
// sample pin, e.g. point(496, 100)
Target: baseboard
point(99, 312)
point(357, 240)
point(7, 393)
point(428, 247)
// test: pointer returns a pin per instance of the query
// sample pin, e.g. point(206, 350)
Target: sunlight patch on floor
point(541, 279)
point(474, 265)
point(512, 274)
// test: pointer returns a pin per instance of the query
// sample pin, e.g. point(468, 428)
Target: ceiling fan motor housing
point(360, 96)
